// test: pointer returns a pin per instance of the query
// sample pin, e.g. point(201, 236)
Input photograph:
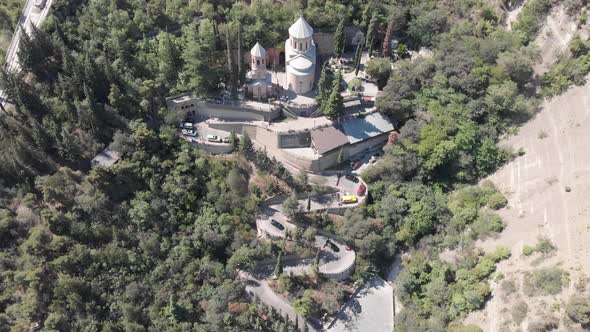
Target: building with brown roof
point(326, 139)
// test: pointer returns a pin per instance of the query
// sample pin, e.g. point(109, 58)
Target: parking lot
point(201, 132)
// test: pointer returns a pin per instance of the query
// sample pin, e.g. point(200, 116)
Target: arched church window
point(258, 62)
point(305, 45)
point(300, 46)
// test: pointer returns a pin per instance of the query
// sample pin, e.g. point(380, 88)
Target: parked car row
point(188, 129)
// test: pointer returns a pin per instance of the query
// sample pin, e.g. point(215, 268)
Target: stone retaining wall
point(213, 148)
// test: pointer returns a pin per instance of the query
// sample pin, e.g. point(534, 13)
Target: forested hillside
point(153, 243)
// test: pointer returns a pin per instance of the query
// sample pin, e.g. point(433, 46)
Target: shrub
point(544, 246)
point(501, 253)
point(519, 311)
point(486, 224)
point(578, 309)
point(508, 286)
point(528, 250)
point(497, 201)
point(531, 18)
point(545, 281)
point(355, 85)
point(544, 324)
point(457, 327)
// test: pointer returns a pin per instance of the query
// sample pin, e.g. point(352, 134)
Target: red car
point(362, 190)
point(357, 164)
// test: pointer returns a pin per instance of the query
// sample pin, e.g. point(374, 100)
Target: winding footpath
point(376, 297)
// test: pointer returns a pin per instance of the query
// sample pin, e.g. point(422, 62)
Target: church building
point(300, 53)
point(259, 79)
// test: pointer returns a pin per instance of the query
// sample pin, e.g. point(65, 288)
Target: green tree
point(291, 206)
point(168, 59)
point(387, 38)
point(278, 266)
point(380, 70)
point(334, 106)
point(234, 140)
point(194, 60)
point(324, 86)
point(246, 147)
point(357, 58)
point(371, 31)
point(303, 180)
point(339, 39)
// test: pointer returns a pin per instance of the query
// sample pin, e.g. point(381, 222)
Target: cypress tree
point(357, 58)
point(233, 140)
point(339, 39)
point(169, 59)
point(371, 33)
point(279, 266)
point(387, 38)
point(246, 146)
point(324, 86)
point(366, 17)
point(334, 106)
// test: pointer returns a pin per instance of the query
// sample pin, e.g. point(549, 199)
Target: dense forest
point(154, 242)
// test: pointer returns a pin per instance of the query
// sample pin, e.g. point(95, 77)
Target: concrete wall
point(299, 109)
point(240, 112)
point(325, 40)
point(213, 148)
point(325, 43)
point(343, 275)
point(358, 147)
point(330, 159)
point(267, 137)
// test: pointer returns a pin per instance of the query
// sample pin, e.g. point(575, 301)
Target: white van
point(213, 138)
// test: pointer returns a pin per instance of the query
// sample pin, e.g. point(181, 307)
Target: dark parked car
point(332, 246)
point(277, 225)
point(352, 178)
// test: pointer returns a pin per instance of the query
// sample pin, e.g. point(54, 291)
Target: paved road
point(258, 286)
point(332, 263)
point(31, 15)
point(370, 309)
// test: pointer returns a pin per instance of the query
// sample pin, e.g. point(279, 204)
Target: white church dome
point(301, 29)
point(258, 51)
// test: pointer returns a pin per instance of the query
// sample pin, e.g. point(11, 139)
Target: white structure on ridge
point(259, 78)
point(300, 57)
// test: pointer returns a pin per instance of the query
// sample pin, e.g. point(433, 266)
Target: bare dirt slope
point(557, 155)
point(554, 37)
